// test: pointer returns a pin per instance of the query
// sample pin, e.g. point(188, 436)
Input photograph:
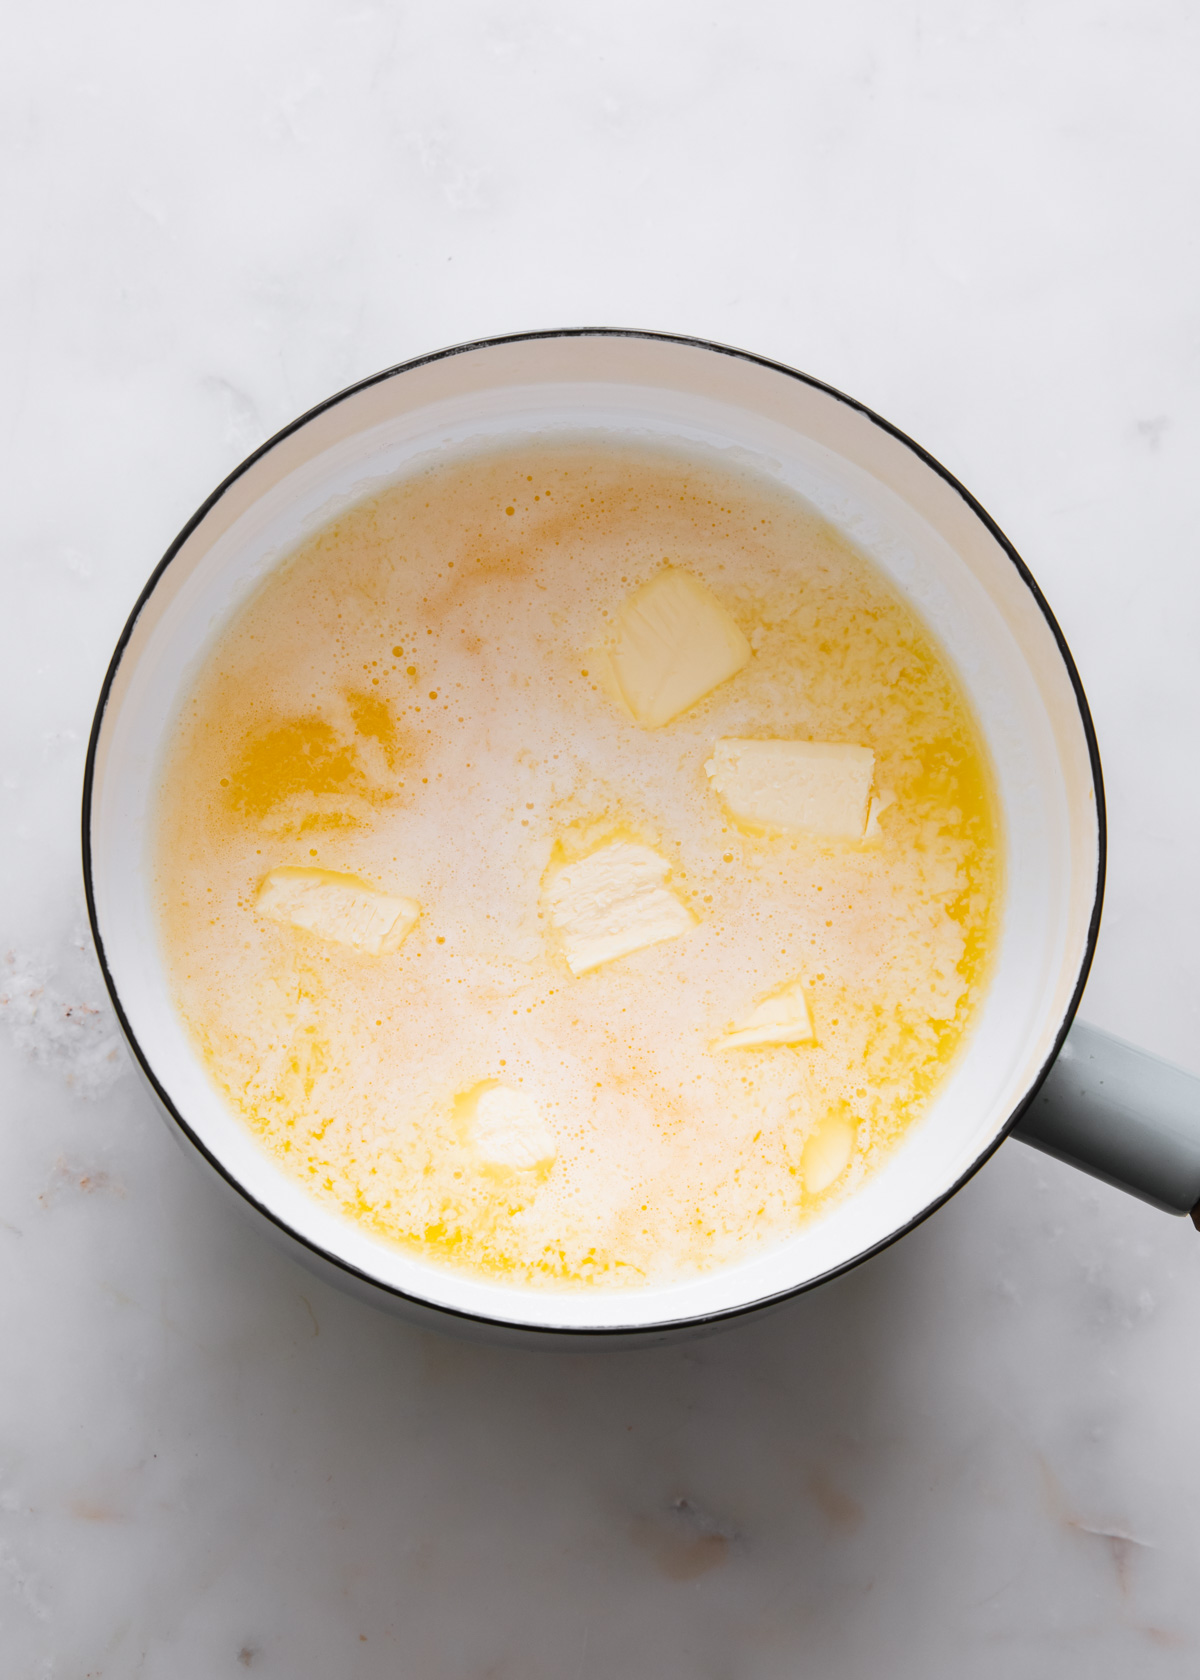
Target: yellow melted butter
point(409, 699)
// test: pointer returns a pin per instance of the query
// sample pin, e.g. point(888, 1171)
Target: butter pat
point(819, 786)
point(827, 1154)
point(782, 1018)
point(673, 643)
point(612, 902)
point(507, 1130)
point(880, 803)
point(337, 907)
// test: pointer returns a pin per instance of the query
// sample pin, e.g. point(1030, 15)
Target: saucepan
point(1112, 1110)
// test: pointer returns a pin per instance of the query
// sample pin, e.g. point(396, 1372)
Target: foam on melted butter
point(409, 701)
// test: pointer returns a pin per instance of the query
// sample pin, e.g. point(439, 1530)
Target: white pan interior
point(877, 489)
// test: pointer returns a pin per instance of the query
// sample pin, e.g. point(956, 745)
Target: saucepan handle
point(1123, 1116)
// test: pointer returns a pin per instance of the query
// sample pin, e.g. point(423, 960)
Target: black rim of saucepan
point(583, 1333)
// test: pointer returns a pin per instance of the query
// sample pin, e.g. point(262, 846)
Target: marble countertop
point(974, 1457)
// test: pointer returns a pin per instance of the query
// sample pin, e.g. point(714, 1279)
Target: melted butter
point(300, 756)
point(410, 699)
point(373, 721)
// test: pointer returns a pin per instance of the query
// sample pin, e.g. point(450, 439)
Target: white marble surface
point(975, 1457)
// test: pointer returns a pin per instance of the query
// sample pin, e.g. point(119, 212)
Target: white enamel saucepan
point(1114, 1111)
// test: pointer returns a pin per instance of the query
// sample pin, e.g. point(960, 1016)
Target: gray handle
point(1123, 1116)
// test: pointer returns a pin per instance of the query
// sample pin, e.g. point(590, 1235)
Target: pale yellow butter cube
point(337, 907)
point(508, 1131)
point(673, 643)
point(782, 1018)
point(880, 803)
point(820, 786)
point(827, 1153)
point(613, 902)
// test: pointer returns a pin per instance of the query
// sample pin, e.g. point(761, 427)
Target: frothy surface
point(411, 699)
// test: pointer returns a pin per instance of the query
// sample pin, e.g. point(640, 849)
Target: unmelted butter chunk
point(819, 786)
point(880, 803)
point(612, 902)
point(782, 1018)
point(337, 907)
point(673, 643)
point(506, 1129)
point(827, 1154)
